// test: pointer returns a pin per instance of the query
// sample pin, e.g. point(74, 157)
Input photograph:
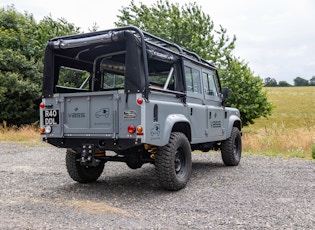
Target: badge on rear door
point(130, 114)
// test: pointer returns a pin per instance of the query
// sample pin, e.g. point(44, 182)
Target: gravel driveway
point(261, 193)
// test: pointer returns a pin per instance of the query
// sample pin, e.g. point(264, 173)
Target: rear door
point(90, 114)
point(215, 111)
point(197, 111)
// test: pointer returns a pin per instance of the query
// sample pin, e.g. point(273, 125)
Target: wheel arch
point(176, 123)
point(238, 124)
point(183, 127)
point(236, 121)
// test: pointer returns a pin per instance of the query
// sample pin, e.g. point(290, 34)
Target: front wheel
point(173, 162)
point(231, 148)
point(82, 173)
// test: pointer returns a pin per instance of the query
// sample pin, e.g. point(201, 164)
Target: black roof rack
point(157, 41)
point(147, 38)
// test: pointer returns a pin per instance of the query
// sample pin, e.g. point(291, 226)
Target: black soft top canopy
point(84, 50)
point(126, 45)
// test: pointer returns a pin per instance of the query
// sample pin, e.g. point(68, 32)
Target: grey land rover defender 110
point(126, 95)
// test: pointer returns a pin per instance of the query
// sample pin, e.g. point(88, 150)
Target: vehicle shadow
point(135, 185)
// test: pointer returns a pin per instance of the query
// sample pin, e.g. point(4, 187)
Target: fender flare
point(236, 121)
point(170, 121)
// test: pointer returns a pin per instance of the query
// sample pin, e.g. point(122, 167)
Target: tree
point(187, 26)
point(312, 81)
point(300, 81)
point(243, 86)
point(18, 68)
point(94, 27)
point(270, 82)
point(192, 29)
point(283, 84)
point(22, 44)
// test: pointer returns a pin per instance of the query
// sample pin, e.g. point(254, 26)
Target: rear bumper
point(106, 144)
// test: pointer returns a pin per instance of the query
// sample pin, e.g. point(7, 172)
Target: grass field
point(27, 133)
point(289, 132)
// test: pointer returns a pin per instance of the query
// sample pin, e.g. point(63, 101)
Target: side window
point(161, 75)
point(192, 77)
point(210, 88)
point(112, 76)
point(112, 81)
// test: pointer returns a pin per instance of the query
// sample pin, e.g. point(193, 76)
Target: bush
point(21, 62)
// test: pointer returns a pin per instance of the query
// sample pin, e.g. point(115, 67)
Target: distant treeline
point(298, 81)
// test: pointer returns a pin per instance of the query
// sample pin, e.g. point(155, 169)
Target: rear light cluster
point(133, 129)
point(136, 129)
point(47, 129)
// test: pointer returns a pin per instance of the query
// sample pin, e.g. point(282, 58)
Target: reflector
point(139, 101)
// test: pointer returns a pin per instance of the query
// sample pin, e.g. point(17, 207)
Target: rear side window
point(210, 88)
point(112, 81)
point(112, 74)
point(193, 81)
point(161, 75)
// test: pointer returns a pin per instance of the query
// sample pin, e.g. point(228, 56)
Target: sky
point(276, 38)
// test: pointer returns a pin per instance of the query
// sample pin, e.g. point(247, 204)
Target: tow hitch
point(87, 156)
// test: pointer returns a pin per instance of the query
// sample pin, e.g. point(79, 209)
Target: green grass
point(294, 107)
point(290, 130)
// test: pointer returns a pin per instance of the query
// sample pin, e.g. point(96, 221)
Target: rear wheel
point(231, 149)
point(173, 162)
point(82, 173)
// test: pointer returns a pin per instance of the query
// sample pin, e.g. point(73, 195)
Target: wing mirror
point(224, 94)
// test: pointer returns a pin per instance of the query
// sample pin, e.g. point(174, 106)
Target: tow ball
point(87, 156)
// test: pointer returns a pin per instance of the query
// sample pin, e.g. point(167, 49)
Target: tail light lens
point(42, 130)
point(131, 129)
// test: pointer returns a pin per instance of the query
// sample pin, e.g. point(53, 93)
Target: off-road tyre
point(231, 149)
point(173, 162)
point(81, 173)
